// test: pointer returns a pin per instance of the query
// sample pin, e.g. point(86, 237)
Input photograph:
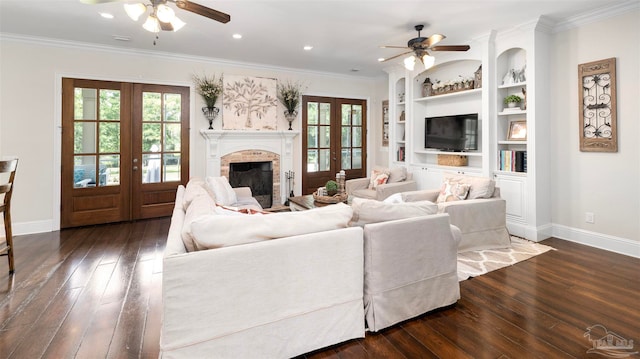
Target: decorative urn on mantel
point(290, 116)
point(209, 88)
point(210, 113)
point(289, 96)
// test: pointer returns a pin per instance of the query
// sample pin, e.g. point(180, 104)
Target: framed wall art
point(597, 103)
point(249, 103)
point(517, 131)
point(385, 123)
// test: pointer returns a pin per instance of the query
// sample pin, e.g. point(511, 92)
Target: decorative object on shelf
point(524, 98)
point(250, 103)
point(385, 123)
point(453, 160)
point(451, 86)
point(321, 197)
point(401, 97)
point(289, 94)
point(427, 87)
point(210, 113)
point(513, 76)
point(598, 114)
point(332, 187)
point(512, 101)
point(341, 179)
point(477, 78)
point(517, 131)
point(210, 88)
point(402, 116)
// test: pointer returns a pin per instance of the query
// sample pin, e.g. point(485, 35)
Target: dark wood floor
point(95, 292)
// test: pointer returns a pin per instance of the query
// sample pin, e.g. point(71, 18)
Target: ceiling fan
point(420, 47)
point(162, 17)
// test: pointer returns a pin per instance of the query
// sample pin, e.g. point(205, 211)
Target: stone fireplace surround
point(232, 146)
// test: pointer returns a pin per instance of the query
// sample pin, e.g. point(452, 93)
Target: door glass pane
point(109, 137)
point(346, 137)
point(357, 136)
point(110, 105)
point(172, 137)
point(84, 104)
point(171, 167)
point(357, 115)
point(346, 114)
point(110, 169)
point(312, 137)
point(325, 114)
point(84, 137)
point(312, 161)
point(346, 159)
point(325, 136)
point(151, 133)
point(324, 160)
point(151, 106)
point(84, 171)
point(151, 168)
point(172, 107)
point(357, 158)
point(312, 113)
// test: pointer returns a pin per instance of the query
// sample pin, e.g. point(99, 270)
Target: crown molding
point(602, 13)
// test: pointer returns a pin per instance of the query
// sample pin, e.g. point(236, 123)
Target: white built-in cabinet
point(526, 191)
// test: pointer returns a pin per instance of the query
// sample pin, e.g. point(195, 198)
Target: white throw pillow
point(221, 231)
point(224, 194)
point(371, 211)
point(397, 174)
point(394, 198)
point(195, 188)
point(479, 187)
point(200, 207)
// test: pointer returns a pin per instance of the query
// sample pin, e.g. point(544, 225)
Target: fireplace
point(256, 175)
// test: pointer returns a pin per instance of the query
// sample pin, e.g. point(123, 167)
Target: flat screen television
point(456, 133)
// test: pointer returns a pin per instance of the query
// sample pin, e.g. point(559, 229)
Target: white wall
point(607, 184)
point(30, 108)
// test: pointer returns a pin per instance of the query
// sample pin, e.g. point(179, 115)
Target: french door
point(124, 150)
point(334, 139)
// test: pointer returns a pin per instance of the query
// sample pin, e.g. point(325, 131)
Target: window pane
point(312, 161)
point(151, 137)
point(346, 137)
point(109, 137)
point(346, 114)
point(325, 136)
point(110, 105)
point(110, 169)
point(346, 159)
point(151, 168)
point(324, 160)
point(312, 137)
point(151, 106)
point(357, 158)
point(172, 107)
point(84, 104)
point(357, 136)
point(172, 137)
point(84, 137)
point(84, 171)
point(325, 113)
point(171, 167)
point(312, 113)
point(357, 115)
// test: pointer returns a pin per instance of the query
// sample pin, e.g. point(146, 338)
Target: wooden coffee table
point(303, 203)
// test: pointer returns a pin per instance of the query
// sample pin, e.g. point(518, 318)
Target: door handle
point(135, 168)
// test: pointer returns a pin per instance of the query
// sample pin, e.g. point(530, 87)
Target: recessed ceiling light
point(237, 36)
point(307, 47)
point(106, 15)
point(381, 59)
point(354, 70)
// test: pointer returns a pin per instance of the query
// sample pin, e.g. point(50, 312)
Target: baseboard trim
point(32, 227)
point(598, 240)
point(535, 234)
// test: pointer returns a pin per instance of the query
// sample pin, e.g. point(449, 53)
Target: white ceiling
point(345, 34)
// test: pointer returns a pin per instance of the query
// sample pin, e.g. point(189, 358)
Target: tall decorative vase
point(210, 113)
point(290, 116)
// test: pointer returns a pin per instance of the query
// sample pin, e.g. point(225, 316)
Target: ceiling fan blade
point(393, 47)
point(393, 57)
point(203, 10)
point(433, 39)
point(450, 48)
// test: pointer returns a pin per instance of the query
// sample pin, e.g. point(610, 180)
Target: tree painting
point(249, 103)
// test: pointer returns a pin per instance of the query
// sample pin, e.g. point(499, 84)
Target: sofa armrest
point(356, 184)
point(476, 214)
point(385, 190)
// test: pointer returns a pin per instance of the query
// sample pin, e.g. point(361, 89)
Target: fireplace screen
point(256, 175)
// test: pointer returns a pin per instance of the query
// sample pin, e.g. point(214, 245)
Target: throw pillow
point(371, 211)
point(200, 207)
point(394, 198)
point(378, 178)
point(452, 191)
point(224, 194)
point(195, 188)
point(479, 187)
point(397, 174)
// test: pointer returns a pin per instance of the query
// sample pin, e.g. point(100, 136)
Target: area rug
point(475, 263)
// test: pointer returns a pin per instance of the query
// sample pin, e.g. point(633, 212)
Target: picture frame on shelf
point(517, 131)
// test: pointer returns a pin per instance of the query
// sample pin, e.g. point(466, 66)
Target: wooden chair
point(7, 189)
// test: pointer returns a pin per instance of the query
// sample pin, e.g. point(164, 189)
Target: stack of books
point(512, 161)
point(401, 154)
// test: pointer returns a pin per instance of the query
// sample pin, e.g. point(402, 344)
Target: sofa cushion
point(479, 187)
point(221, 231)
point(196, 187)
point(453, 191)
point(371, 211)
point(397, 174)
point(378, 178)
point(224, 194)
point(201, 206)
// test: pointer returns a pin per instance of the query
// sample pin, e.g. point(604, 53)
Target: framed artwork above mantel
point(597, 103)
